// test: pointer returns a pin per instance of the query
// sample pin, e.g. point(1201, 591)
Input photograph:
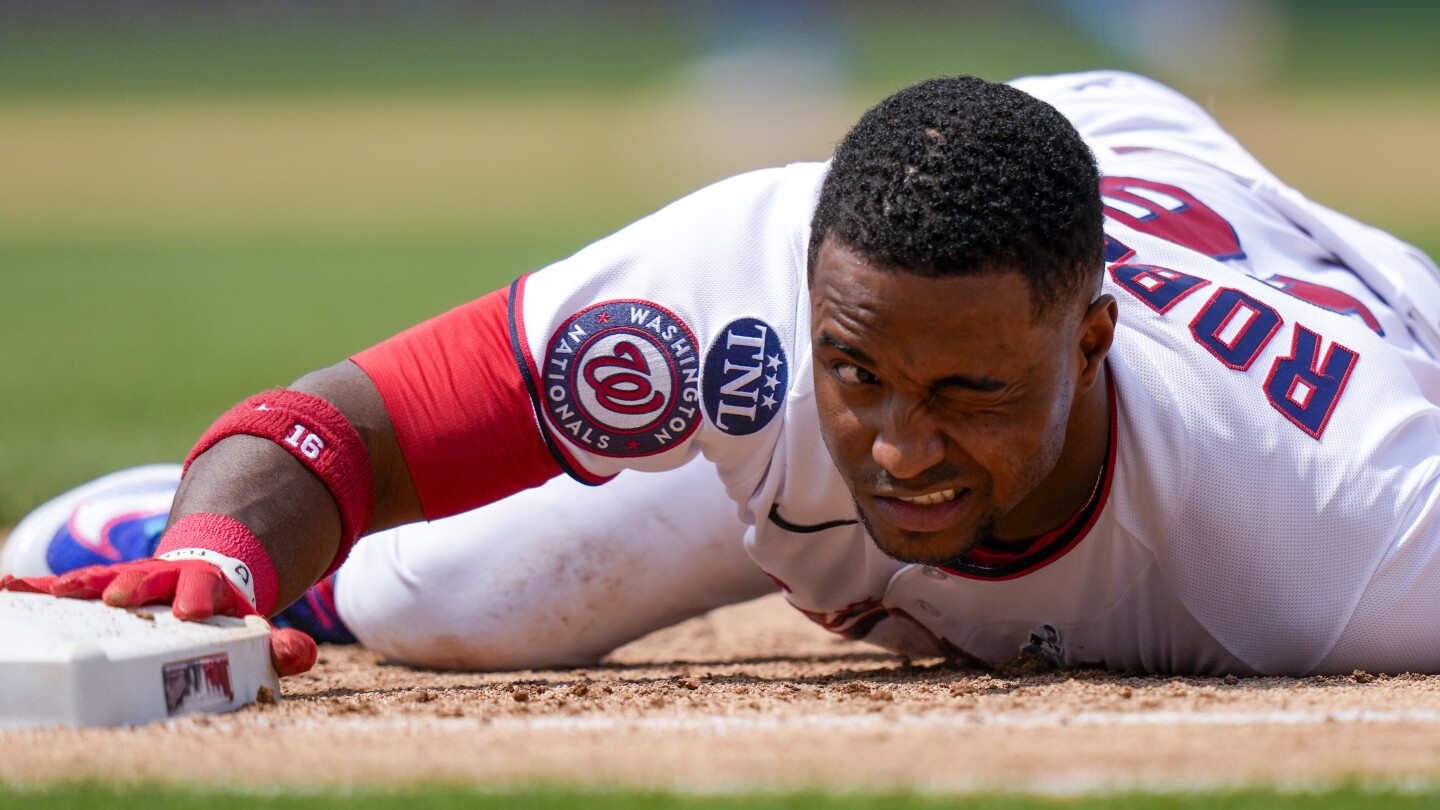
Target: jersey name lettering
point(1159, 287)
point(1235, 327)
point(1305, 391)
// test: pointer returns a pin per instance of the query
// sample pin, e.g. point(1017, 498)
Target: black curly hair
point(960, 176)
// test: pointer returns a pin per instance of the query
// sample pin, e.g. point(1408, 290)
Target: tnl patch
point(746, 377)
point(622, 378)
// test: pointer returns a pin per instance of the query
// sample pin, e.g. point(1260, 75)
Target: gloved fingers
point(137, 586)
point(196, 593)
point(85, 583)
point(26, 584)
point(204, 592)
point(292, 651)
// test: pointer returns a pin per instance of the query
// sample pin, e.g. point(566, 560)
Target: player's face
point(946, 404)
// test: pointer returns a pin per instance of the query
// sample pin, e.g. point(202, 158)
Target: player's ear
point(1094, 335)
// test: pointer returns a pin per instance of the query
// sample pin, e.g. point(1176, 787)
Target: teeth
point(932, 498)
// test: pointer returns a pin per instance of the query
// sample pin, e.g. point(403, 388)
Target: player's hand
point(26, 584)
point(195, 590)
point(291, 651)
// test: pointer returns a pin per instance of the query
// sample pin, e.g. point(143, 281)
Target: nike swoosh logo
point(801, 528)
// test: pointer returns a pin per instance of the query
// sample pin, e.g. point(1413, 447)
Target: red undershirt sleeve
point(460, 407)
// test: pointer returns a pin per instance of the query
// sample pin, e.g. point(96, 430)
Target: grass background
point(200, 200)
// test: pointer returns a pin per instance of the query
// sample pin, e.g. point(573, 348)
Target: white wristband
point(234, 570)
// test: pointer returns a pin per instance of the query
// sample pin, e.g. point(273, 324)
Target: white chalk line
point(722, 724)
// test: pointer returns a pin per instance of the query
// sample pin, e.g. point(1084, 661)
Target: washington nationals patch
point(746, 377)
point(622, 378)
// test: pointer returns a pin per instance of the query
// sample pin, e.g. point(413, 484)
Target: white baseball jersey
point(1269, 503)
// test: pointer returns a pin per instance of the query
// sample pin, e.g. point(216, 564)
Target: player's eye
point(851, 374)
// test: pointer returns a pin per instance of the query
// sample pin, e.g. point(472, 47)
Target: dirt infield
point(754, 696)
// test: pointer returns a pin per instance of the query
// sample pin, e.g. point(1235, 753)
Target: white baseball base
point(70, 662)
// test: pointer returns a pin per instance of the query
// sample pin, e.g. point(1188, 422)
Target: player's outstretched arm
point(272, 498)
point(280, 486)
point(264, 485)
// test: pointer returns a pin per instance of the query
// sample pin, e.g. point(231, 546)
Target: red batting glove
point(196, 591)
point(291, 651)
point(26, 584)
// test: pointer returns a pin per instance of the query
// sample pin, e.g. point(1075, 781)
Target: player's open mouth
point(932, 498)
point(931, 512)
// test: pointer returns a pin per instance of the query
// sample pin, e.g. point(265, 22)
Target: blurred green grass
point(120, 352)
point(195, 206)
point(300, 51)
point(581, 49)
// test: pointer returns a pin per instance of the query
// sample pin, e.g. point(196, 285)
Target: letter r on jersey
point(1305, 388)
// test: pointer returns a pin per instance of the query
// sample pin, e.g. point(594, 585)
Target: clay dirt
point(754, 696)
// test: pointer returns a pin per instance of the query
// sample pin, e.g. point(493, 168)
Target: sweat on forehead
point(957, 176)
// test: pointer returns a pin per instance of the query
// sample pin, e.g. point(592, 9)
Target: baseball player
point(961, 390)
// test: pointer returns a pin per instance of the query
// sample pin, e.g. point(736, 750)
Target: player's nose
point(907, 442)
